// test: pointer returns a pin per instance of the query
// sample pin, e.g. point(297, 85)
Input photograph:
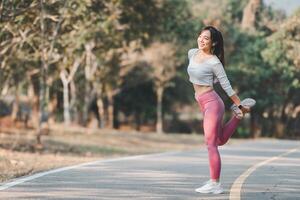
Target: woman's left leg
point(212, 108)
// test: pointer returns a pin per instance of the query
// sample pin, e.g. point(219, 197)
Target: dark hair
point(217, 43)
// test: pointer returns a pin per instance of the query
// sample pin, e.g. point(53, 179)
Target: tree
point(161, 57)
point(282, 55)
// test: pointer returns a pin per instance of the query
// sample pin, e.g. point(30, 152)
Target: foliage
point(40, 40)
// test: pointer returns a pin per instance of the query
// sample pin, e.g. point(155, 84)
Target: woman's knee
point(211, 146)
point(211, 140)
point(221, 143)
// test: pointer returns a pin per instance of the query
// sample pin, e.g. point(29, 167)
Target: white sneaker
point(210, 187)
point(248, 103)
point(206, 182)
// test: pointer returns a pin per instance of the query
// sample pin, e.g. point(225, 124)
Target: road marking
point(235, 190)
point(38, 175)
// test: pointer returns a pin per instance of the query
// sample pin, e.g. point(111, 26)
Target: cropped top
point(204, 73)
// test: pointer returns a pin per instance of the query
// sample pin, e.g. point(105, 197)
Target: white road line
point(235, 190)
point(38, 175)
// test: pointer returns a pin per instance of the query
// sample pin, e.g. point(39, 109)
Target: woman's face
point(204, 41)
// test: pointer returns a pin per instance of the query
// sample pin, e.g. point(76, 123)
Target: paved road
point(260, 169)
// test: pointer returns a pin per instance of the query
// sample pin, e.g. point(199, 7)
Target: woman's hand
point(245, 109)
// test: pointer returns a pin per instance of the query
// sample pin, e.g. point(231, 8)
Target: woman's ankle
point(215, 180)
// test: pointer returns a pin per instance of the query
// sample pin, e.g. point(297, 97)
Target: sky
point(287, 5)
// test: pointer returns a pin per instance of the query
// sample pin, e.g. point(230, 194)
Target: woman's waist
point(206, 95)
point(202, 89)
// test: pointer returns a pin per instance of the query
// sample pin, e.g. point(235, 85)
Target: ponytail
point(217, 43)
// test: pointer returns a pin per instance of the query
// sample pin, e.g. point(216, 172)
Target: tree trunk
point(67, 118)
point(42, 82)
point(254, 126)
point(15, 107)
point(100, 104)
point(66, 78)
point(249, 14)
point(73, 106)
point(137, 117)
point(101, 112)
point(52, 109)
point(159, 122)
point(86, 103)
point(34, 102)
point(89, 71)
point(43, 114)
point(279, 128)
point(110, 97)
point(116, 118)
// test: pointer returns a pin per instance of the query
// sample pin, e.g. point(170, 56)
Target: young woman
point(206, 65)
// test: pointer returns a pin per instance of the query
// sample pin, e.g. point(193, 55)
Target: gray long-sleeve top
point(204, 73)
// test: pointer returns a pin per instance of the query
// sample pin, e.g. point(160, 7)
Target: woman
point(206, 65)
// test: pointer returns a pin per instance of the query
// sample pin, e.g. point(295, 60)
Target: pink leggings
point(215, 134)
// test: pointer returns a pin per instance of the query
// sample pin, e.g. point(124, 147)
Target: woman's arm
point(236, 100)
point(220, 73)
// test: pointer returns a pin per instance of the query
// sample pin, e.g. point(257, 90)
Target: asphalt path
point(257, 169)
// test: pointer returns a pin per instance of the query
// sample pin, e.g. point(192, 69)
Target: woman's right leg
point(228, 130)
point(231, 126)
